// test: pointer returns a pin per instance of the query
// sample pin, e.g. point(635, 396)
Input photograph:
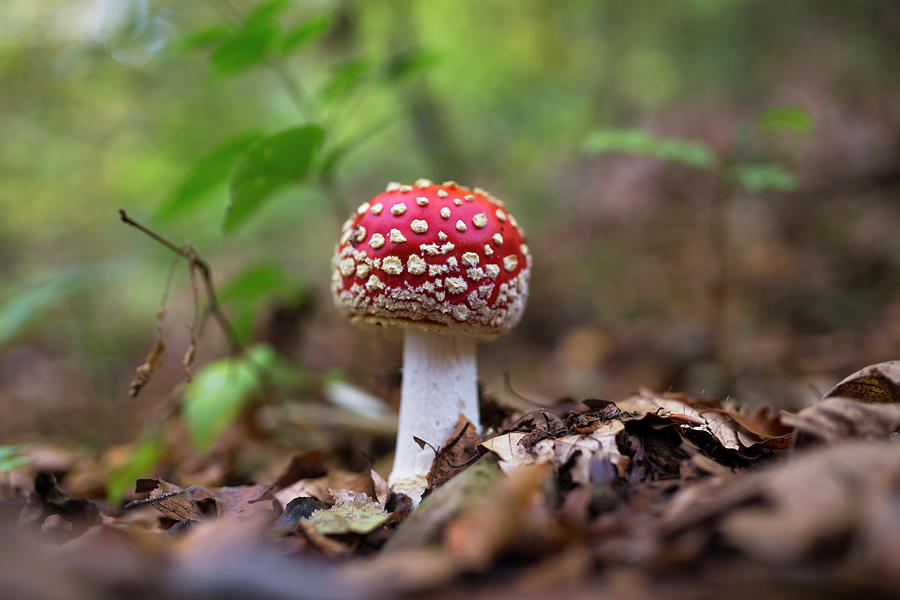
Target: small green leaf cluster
point(256, 165)
point(11, 457)
point(749, 175)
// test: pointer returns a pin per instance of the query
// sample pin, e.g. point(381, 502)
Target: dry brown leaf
point(837, 418)
point(598, 445)
point(687, 412)
point(842, 495)
point(302, 466)
point(326, 488)
point(578, 453)
point(454, 454)
point(242, 501)
point(731, 428)
point(382, 489)
point(509, 449)
point(423, 526)
point(875, 384)
point(489, 526)
point(172, 501)
point(812, 500)
point(328, 546)
point(403, 571)
point(762, 426)
point(183, 504)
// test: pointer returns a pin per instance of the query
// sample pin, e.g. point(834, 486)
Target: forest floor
point(655, 495)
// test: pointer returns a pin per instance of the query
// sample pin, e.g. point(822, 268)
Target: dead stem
point(195, 264)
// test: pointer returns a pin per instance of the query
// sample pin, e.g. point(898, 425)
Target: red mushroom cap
point(436, 256)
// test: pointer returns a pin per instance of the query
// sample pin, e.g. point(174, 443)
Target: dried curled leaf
point(509, 448)
point(875, 384)
point(864, 405)
point(424, 525)
point(836, 418)
point(586, 453)
point(495, 523)
point(144, 372)
point(685, 411)
point(172, 501)
point(733, 429)
point(328, 487)
point(187, 504)
point(454, 454)
point(575, 452)
point(840, 497)
point(382, 489)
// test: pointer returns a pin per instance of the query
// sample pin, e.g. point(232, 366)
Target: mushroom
point(450, 266)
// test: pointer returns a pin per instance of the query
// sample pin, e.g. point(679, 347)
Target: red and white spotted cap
point(435, 256)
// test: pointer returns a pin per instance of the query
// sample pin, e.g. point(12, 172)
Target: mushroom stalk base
point(440, 376)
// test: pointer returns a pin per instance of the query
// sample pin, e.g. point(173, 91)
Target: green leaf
point(269, 165)
point(9, 458)
point(359, 515)
point(785, 119)
point(345, 79)
point(410, 62)
point(642, 143)
point(764, 177)
point(143, 459)
point(209, 171)
point(33, 298)
point(214, 398)
point(254, 282)
point(247, 47)
point(220, 390)
point(336, 152)
point(306, 32)
point(20, 310)
point(205, 37)
point(266, 11)
point(8, 451)
point(249, 291)
point(14, 462)
point(29, 300)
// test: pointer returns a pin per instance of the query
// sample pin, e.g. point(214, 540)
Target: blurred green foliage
point(751, 177)
point(267, 166)
point(142, 460)
point(208, 172)
point(222, 388)
point(635, 141)
point(248, 292)
point(11, 457)
point(764, 177)
point(788, 118)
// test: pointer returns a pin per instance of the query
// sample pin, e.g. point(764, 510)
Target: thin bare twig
point(143, 373)
point(507, 383)
point(195, 262)
point(191, 350)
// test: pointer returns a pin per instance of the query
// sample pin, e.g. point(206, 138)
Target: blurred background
point(711, 191)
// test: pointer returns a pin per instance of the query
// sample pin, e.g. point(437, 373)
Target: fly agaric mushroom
point(450, 266)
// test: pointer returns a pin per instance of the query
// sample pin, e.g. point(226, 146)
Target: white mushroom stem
point(439, 384)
